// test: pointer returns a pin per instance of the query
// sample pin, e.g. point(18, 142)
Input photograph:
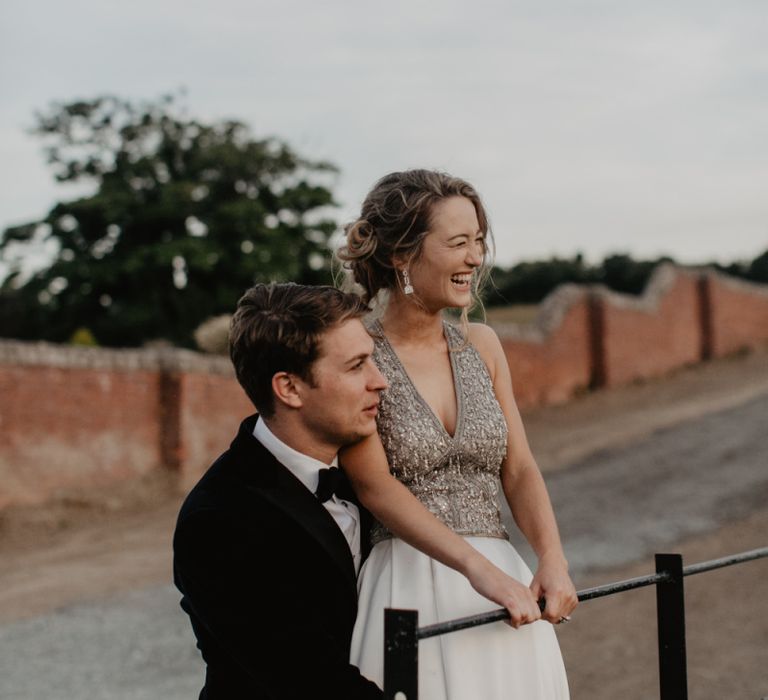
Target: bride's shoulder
point(487, 344)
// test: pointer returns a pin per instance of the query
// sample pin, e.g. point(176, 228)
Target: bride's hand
point(490, 581)
point(553, 583)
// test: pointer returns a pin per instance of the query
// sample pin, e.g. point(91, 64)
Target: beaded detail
point(456, 478)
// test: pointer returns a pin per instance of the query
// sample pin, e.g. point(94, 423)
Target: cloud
point(592, 126)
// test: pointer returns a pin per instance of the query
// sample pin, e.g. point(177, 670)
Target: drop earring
point(407, 288)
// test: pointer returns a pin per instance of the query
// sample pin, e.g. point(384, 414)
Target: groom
point(265, 552)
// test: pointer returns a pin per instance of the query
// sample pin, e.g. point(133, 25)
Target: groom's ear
point(286, 390)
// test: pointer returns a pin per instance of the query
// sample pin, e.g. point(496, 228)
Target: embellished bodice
point(455, 477)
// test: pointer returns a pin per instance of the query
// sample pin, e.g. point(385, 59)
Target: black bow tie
point(332, 481)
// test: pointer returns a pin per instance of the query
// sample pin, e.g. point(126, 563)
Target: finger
point(517, 613)
point(531, 612)
point(536, 612)
point(569, 602)
point(535, 608)
point(536, 589)
point(554, 609)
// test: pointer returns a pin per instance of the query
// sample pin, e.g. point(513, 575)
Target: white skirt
point(489, 662)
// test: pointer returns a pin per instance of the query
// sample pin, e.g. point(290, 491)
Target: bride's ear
point(401, 262)
point(286, 390)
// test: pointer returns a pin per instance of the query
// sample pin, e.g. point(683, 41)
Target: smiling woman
point(444, 268)
point(389, 243)
point(448, 431)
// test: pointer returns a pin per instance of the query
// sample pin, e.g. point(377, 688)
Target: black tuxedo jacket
point(268, 581)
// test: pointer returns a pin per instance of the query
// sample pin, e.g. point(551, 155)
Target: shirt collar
point(303, 467)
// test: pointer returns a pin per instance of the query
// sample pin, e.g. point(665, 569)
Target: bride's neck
point(406, 322)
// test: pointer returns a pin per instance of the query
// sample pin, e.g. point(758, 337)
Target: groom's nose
point(376, 380)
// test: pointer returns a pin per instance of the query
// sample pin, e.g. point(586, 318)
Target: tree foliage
point(530, 282)
point(184, 216)
point(754, 271)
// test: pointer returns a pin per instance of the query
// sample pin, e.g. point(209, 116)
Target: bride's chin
point(461, 300)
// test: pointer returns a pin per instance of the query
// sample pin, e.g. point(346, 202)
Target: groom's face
point(340, 404)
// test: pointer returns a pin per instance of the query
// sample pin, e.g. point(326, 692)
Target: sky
point(597, 127)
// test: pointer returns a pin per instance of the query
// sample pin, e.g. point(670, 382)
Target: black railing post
point(670, 614)
point(401, 654)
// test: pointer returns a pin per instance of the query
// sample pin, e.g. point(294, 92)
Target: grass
point(516, 313)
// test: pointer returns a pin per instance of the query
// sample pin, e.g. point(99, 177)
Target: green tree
point(622, 273)
point(184, 216)
point(530, 282)
point(758, 269)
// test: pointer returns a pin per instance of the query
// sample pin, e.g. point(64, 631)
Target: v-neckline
point(456, 384)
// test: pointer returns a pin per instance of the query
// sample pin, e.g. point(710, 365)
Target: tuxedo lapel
point(273, 482)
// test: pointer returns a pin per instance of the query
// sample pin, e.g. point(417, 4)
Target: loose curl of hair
point(395, 218)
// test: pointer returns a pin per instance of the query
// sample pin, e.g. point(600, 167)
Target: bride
point(449, 432)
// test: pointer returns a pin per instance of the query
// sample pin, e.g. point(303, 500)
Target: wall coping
point(557, 303)
point(18, 352)
point(660, 283)
point(552, 310)
point(736, 283)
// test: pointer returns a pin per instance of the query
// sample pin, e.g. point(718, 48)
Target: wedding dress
point(457, 478)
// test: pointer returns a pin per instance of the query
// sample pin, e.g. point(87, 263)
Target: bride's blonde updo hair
point(394, 221)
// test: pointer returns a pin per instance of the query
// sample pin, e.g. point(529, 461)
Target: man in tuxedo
point(267, 544)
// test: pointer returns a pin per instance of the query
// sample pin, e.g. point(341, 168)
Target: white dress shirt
point(306, 469)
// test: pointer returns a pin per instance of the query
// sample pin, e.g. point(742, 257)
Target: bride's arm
point(524, 487)
point(404, 515)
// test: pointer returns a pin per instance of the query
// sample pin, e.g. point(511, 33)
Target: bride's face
point(442, 275)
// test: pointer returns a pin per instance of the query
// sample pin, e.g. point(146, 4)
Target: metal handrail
point(592, 593)
point(402, 633)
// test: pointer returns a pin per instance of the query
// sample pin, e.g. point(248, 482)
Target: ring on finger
point(564, 619)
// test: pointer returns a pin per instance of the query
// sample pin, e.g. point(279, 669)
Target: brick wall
point(592, 337)
point(551, 360)
point(212, 406)
point(71, 427)
point(72, 417)
point(738, 312)
point(651, 335)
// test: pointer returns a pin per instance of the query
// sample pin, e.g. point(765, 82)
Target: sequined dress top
point(455, 477)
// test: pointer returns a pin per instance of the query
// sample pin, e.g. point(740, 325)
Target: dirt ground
point(92, 545)
point(610, 646)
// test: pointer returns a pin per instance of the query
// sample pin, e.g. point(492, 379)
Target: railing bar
point(725, 561)
point(591, 593)
point(501, 614)
point(461, 623)
point(620, 586)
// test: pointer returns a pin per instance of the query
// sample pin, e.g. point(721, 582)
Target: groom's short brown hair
point(277, 328)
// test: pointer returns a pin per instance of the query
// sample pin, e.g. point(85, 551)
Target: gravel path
point(134, 646)
point(617, 506)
